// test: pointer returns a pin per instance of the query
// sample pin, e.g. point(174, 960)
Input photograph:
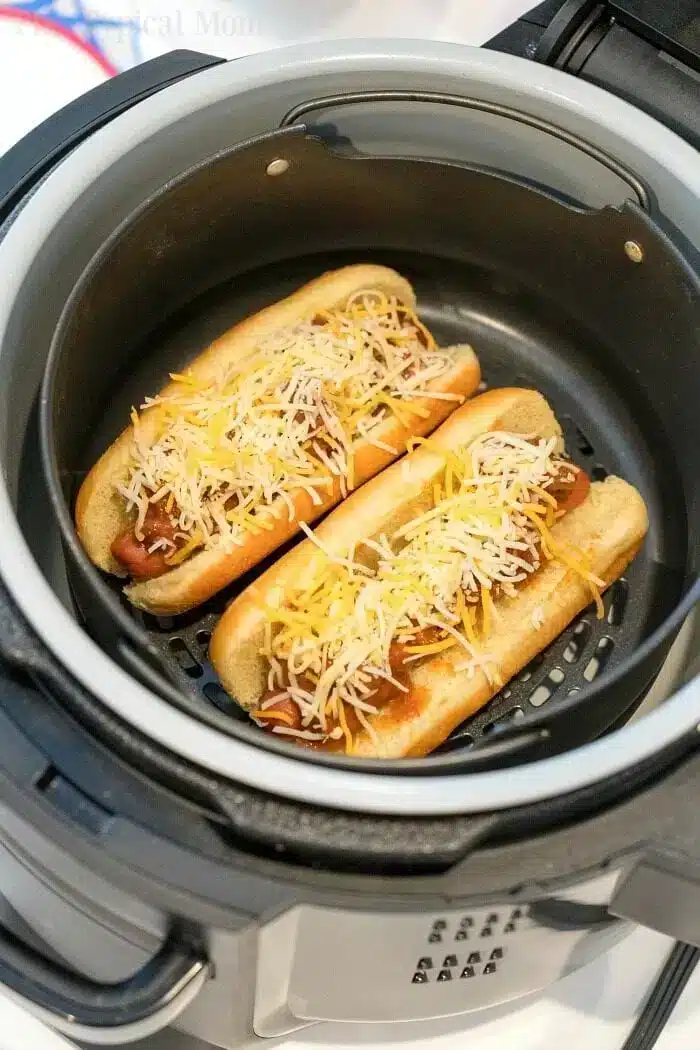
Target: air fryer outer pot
point(258, 821)
point(669, 190)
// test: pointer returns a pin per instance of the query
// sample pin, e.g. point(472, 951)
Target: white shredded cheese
point(285, 418)
point(486, 533)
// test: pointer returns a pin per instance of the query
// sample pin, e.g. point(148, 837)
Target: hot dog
point(272, 425)
point(413, 603)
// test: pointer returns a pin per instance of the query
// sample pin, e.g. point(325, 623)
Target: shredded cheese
point(355, 628)
point(280, 716)
point(231, 456)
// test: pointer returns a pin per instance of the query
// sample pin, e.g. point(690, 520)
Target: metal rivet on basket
point(634, 251)
point(277, 166)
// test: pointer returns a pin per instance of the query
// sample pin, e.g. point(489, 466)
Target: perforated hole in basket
point(574, 660)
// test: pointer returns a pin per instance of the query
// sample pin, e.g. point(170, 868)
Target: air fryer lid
point(103, 181)
point(291, 203)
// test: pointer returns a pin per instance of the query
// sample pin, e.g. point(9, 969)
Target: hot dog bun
point(101, 514)
point(608, 528)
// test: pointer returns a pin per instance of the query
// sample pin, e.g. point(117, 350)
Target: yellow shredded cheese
point(486, 533)
point(230, 456)
point(276, 716)
point(432, 648)
point(195, 541)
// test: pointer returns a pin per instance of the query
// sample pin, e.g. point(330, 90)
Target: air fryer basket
point(550, 295)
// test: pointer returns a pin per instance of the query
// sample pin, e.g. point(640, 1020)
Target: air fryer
point(170, 863)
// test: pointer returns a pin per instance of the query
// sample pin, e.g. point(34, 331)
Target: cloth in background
point(51, 51)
